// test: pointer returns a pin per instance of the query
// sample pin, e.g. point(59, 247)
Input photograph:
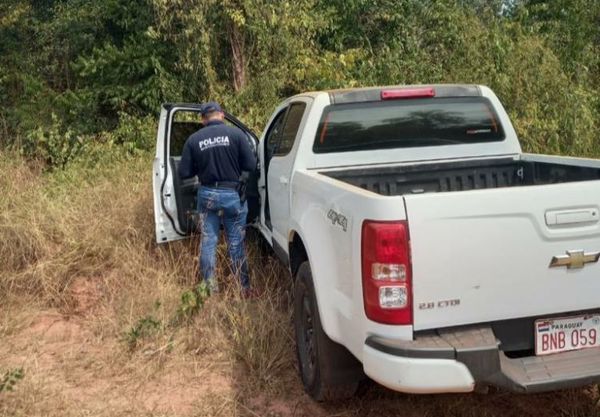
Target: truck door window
point(185, 122)
point(290, 128)
point(274, 134)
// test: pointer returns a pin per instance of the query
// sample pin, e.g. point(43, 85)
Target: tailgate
point(485, 255)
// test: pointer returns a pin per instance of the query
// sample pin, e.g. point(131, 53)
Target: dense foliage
point(76, 71)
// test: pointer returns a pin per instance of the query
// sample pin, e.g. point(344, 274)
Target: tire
point(328, 370)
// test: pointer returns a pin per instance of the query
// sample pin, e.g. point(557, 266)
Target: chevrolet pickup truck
point(429, 252)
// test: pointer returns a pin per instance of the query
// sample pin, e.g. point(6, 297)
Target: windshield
point(407, 123)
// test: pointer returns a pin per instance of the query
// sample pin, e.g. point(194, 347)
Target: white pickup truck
point(428, 251)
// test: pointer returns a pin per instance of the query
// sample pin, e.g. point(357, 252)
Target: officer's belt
point(232, 185)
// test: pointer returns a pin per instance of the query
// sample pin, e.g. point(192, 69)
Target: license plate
point(568, 333)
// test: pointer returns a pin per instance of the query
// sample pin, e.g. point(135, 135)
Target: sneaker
point(207, 288)
point(213, 286)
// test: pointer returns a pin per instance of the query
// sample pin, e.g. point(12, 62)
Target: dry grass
point(91, 309)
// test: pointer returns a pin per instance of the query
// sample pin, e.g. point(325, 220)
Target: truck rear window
point(406, 124)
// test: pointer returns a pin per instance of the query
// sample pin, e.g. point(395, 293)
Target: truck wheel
point(328, 370)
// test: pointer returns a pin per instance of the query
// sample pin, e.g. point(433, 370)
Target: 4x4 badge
point(574, 259)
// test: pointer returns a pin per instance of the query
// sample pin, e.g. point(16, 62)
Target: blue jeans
point(211, 203)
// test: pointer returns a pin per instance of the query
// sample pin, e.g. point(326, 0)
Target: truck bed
point(462, 176)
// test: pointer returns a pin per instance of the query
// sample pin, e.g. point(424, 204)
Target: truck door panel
point(280, 170)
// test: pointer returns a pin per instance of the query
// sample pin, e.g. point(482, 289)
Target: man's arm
point(187, 166)
point(247, 158)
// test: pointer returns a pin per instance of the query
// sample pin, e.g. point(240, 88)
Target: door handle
point(572, 217)
point(283, 180)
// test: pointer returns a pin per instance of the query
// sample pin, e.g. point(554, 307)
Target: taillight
point(418, 92)
point(386, 272)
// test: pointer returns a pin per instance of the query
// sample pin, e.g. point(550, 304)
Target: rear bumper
point(459, 360)
point(417, 376)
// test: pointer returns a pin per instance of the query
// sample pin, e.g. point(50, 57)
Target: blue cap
point(209, 107)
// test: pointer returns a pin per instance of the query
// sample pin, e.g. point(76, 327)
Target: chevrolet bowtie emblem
point(574, 259)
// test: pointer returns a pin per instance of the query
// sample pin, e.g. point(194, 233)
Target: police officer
point(218, 154)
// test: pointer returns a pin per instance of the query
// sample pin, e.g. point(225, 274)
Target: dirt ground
point(72, 369)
